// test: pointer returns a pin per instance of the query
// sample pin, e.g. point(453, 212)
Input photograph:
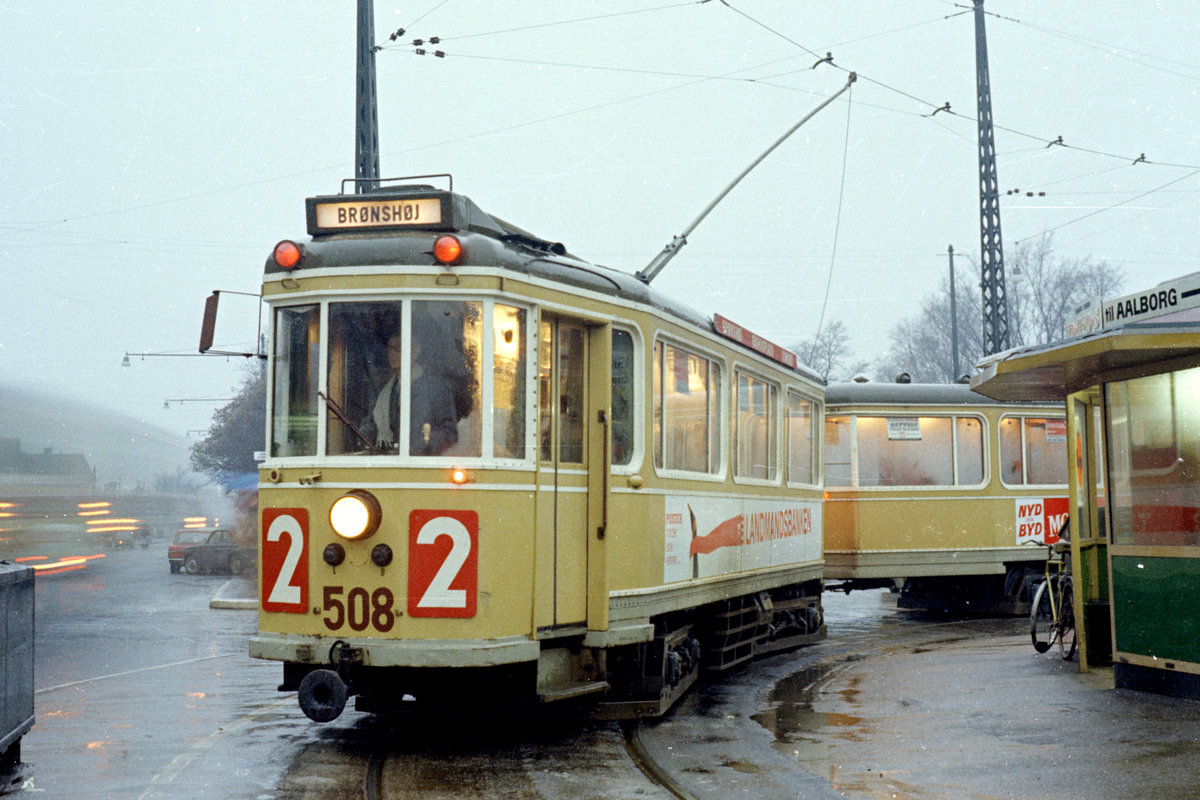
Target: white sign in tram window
point(904, 429)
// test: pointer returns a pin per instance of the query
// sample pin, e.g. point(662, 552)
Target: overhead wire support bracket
point(676, 244)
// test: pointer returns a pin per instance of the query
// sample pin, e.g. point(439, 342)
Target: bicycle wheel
point(1066, 623)
point(1041, 619)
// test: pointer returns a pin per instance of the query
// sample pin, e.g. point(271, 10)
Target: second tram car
point(938, 491)
point(497, 470)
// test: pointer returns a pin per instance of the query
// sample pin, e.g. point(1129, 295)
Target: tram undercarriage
point(621, 682)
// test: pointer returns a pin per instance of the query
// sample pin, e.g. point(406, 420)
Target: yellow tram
point(939, 491)
point(496, 470)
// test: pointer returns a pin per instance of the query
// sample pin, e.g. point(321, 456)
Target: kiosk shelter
point(1129, 373)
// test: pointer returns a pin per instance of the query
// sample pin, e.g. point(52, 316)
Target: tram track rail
point(373, 776)
point(650, 767)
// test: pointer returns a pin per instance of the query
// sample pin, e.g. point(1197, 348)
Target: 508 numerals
point(360, 609)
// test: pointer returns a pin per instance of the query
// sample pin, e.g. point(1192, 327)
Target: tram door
point(564, 430)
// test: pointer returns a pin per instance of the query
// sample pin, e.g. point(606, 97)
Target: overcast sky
point(154, 152)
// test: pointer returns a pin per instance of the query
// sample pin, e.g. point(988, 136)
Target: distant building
point(43, 473)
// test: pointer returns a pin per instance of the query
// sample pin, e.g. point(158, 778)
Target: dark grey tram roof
point(488, 241)
point(908, 394)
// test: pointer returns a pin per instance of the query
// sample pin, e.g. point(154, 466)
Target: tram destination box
point(427, 208)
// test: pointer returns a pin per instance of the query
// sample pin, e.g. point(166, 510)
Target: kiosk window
point(1154, 459)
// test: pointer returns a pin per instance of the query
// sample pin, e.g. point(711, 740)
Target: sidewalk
point(986, 717)
point(237, 593)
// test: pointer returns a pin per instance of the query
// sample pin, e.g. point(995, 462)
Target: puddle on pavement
point(792, 717)
point(806, 734)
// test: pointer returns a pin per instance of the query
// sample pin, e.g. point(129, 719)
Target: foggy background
point(154, 152)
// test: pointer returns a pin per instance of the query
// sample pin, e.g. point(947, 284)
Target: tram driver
point(432, 424)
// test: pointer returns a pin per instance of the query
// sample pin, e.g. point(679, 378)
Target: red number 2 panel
point(285, 560)
point(443, 563)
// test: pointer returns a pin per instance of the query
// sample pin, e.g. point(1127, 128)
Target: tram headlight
point(287, 254)
point(447, 249)
point(355, 515)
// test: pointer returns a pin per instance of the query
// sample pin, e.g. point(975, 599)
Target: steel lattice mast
point(991, 248)
point(366, 128)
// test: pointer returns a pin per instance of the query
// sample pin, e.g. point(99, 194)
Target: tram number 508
point(443, 563)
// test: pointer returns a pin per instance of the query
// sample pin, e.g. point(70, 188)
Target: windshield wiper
point(337, 412)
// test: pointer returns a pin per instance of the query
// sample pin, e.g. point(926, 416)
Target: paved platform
point(979, 714)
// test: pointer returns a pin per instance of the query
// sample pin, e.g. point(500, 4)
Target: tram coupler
point(323, 692)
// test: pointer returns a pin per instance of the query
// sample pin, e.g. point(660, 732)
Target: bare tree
point(1042, 292)
point(827, 351)
point(922, 345)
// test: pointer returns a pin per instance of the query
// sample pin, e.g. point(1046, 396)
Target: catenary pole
point(991, 250)
point(366, 128)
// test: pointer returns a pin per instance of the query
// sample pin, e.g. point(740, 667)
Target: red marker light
point(447, 249)
point(287, 254)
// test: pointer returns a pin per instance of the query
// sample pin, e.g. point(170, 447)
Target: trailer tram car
point(497, 471)
point(939, 492)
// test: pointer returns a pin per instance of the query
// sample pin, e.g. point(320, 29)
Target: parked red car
point(196, 550)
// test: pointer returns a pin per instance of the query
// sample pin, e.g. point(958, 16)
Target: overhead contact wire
point(836, 225)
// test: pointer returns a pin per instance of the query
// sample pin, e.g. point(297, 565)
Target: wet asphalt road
point(144, 691)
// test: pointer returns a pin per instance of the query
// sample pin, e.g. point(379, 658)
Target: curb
point(235, 594)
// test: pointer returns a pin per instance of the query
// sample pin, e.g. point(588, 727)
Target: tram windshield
point(414, 378)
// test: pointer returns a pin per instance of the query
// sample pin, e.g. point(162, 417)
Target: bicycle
point(1052, 617)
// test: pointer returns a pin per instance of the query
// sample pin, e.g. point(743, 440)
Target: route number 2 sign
point(443, 563)
point(285, 560)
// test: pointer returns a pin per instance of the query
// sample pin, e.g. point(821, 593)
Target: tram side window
point(969, 456)
point(509, 381)
point(687, 402)
point(294, 401)
point(365, 353)
point(755, 432)
point(622, 397)
point(837, 451)
point(802, 450)
point(1154, 459)
point(905, 451)
point(1033, 451)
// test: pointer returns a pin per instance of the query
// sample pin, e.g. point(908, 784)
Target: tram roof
point(1052, 371)
point(904, 394)
point(495, 242)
